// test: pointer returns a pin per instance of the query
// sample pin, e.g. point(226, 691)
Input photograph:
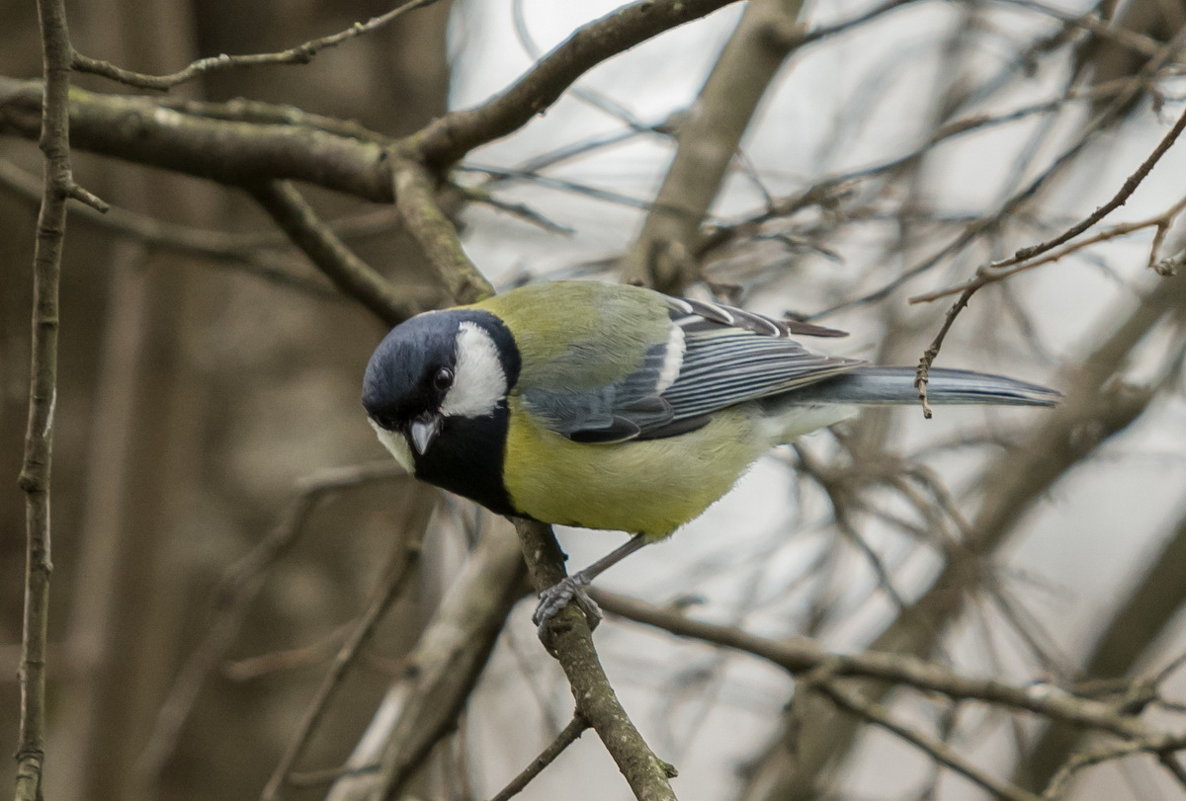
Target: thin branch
point(301, 54)
point(403, 567)
point(232, 601)
point(989, 275)
point(801, 656)
point(421, 707)
point(569, 735)
point(571, 641)
point(1165, 744)
point(1129, 186)
point(35, 472)
point(293, 214)
point(933, 747)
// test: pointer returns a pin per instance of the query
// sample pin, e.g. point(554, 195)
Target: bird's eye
point(442, 379)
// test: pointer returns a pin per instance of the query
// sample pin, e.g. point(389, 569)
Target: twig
point(934, 747)
point(403, 567)
point(571, 642)
point(1137, 622)
point(301, 54)
point(1010, 486)
point(35, 472)
point(421, 707)
point(351, 274)
point(1127, 188)
point(991, 275)
point(564, 739)
point(1084, 759)
point(232, 600)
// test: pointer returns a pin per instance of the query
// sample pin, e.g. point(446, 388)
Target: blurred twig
point(708, 139)
point(232, 602)
point(422, 705)
point(401, 569)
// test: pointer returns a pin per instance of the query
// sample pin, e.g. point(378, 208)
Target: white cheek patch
point(396, 444)
point(479, 383)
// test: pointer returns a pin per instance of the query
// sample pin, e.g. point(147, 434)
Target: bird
point(617, 407)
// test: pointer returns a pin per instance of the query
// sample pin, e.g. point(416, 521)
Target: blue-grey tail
point(895, 385)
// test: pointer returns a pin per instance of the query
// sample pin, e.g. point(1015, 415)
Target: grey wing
point(618, 411)
point(716, 356)
point(732, 356)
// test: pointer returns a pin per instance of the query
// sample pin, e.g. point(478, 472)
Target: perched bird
point(609, 406)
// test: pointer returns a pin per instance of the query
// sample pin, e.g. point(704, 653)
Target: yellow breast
point(648, 487)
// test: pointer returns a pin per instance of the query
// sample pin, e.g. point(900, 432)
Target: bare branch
point(452, 136)
point(938, 750)
point(35, 473)
point(564, 739)
point(351, 274)
point(708, 139)
point(301, 54)
point(422, 706)
point(236, 153)
point(232, 601)
point(571, 642)
point(401, 569)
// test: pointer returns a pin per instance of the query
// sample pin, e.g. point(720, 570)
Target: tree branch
point(708, 139)
point(351, 274)
point(402, 569)
point(35, 473)
point(571, 642)
point(301, 54)
point(232, 152)
point(449, 138)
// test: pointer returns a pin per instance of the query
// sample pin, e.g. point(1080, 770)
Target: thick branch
point(145, 131)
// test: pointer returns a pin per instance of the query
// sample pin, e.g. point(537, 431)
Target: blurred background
point(198, 399)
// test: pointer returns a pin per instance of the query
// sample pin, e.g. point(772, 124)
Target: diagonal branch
point(351, 274)
point(571, 642)
point(450, 137)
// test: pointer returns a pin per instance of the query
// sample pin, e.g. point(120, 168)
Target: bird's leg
point(556, 597)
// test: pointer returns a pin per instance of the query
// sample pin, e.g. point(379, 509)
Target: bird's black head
point(435, 391)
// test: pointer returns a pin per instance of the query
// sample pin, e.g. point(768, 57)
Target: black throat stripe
point(466, 459)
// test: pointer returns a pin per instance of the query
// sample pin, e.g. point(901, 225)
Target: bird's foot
point(556, 597)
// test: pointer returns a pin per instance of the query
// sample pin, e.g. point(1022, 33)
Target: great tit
point(609, 406)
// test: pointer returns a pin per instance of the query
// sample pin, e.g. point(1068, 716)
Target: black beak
point(423, 430)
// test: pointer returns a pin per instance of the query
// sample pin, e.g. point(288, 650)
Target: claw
point(558, 596)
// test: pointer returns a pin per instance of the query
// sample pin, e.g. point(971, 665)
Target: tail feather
point(895, 385)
